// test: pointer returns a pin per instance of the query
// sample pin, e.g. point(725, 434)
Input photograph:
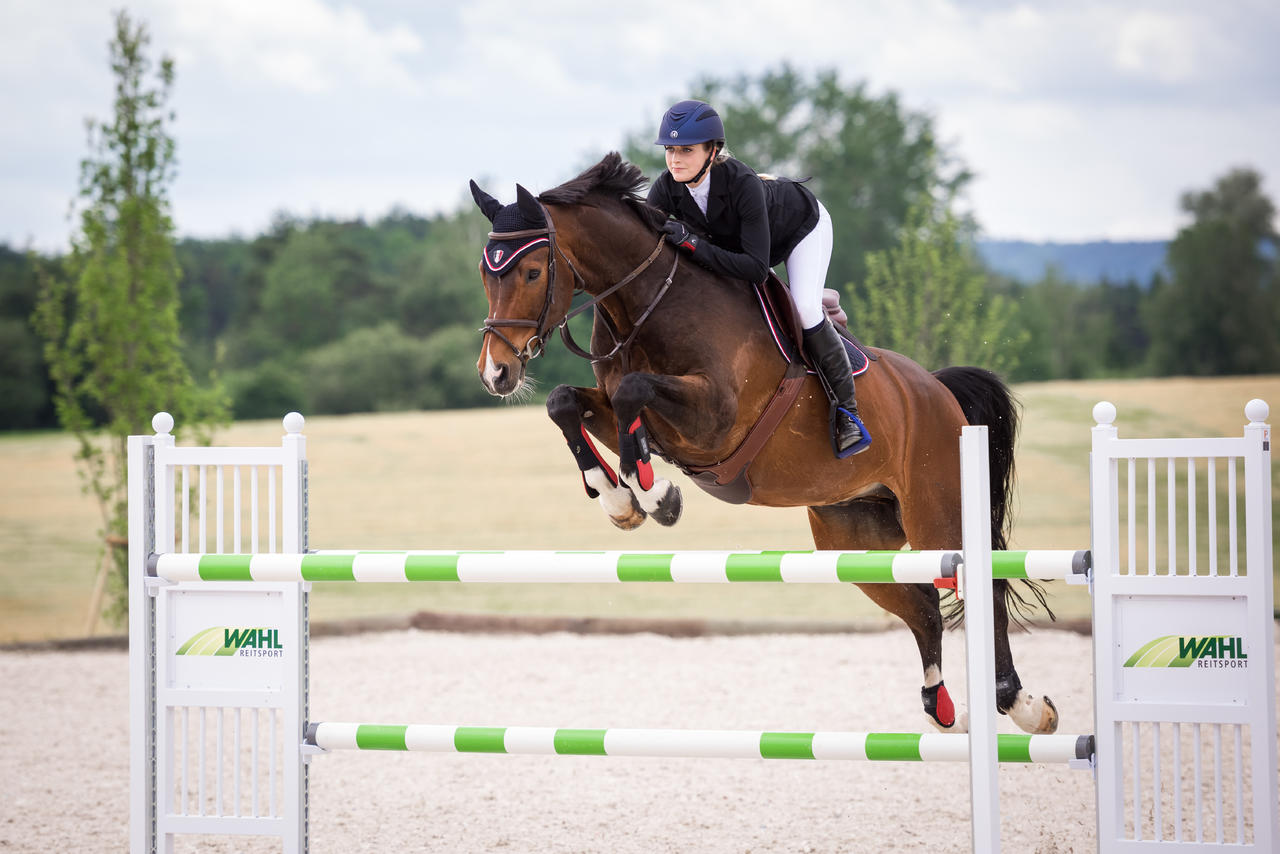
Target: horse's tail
point(985, 399)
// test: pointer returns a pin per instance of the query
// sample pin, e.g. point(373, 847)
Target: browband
point(516, 235)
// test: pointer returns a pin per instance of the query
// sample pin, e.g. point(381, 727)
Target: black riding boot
point(826, 348)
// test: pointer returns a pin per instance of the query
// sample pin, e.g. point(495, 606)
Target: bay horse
point(685, 364)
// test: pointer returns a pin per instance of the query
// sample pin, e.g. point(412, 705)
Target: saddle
point(780, 314)
point(727, 480)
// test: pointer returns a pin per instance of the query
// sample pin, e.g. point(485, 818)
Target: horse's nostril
point(500, 373)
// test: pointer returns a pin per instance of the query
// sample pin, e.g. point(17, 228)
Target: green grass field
point(503, 479)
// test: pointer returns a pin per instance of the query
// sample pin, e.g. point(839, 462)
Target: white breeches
point(807, 270)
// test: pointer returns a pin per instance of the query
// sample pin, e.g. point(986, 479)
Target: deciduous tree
point(1220, 309)
point(929, 299)
point(110, 324)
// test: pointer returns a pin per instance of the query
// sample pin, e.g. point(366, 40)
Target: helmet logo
point(674, 134)
point(497, 256)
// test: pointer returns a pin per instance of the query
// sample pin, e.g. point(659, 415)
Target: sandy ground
point(64, 764)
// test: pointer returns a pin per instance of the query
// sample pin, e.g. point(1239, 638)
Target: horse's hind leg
point(932, 524)
point(1033, 714)
point(575, 411)
point(873, 524)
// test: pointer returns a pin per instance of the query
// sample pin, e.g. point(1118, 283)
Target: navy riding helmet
point(689, 123)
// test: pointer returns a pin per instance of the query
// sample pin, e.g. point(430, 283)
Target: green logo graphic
point(1176, 651)
point(225, 640)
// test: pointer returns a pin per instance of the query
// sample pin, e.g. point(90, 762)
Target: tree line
point(330, 316)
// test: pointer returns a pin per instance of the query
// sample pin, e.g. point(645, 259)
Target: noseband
point(537, 344)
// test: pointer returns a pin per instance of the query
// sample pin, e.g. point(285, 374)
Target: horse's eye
point(532, 275)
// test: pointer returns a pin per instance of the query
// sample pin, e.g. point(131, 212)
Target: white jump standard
point(1182, 624)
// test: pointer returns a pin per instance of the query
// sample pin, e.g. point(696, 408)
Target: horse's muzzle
point(502, 379)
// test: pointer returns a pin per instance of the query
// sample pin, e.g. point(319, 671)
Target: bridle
point(537, 344)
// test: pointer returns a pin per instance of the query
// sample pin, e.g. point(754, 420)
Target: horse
point(685, 364)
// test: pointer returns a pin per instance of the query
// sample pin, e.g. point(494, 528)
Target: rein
point(537, 344)
point(567, 336)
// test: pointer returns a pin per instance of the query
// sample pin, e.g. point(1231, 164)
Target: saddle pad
point(857, 359)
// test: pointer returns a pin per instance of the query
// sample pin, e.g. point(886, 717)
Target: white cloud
point(1080, 120)
point(1163, 47)
point(300, 45)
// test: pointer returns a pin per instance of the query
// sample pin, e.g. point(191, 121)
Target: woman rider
point(751, 225)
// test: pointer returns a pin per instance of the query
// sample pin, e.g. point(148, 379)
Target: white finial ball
point(1257, 411)
point(1104, 412)
point(162, 423)
point(293, 422)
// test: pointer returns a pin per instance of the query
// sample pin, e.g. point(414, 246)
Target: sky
point(1081, 121)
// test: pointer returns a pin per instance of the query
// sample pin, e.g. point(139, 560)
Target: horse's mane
point(612, 178)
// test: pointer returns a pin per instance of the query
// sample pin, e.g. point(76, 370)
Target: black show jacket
point(751, 224)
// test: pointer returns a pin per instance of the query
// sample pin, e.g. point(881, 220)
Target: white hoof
point(1035, 715)
point(618, 503)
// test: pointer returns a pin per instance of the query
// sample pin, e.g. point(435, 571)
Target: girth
point(727, 479)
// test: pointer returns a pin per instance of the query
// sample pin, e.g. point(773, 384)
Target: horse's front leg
point(685, 404)
point(576, 411)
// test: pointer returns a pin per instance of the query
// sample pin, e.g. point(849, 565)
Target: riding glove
point(678, 233)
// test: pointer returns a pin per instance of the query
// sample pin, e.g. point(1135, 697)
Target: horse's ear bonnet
point(525, 215)
point(489, 206)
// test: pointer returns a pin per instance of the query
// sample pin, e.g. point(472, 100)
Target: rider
point(752, 223)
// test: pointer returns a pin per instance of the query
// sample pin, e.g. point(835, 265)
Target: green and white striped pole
point(692, 743)
point(796, 567)
point(1041, 564)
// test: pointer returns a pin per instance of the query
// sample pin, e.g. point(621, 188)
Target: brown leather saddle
point(727, 479)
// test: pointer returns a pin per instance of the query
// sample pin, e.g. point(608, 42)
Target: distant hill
point(1084, 263)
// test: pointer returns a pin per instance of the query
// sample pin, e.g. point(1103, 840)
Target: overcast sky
point(1081, 120)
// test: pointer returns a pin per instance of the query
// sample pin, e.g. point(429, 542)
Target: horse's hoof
point(618, 501)
point(1036, 715)
point(632, 518)
point(662, 500)
point(669, 507)
point(628, 523)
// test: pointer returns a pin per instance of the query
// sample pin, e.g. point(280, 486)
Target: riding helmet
point(689, 123)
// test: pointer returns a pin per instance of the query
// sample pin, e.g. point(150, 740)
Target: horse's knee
point(562, 407)
point(633, 394)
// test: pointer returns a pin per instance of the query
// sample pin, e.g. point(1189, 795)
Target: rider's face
point(684, 161)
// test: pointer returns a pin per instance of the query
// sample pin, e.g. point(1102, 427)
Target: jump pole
point(711, 744)
point(597, 567)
